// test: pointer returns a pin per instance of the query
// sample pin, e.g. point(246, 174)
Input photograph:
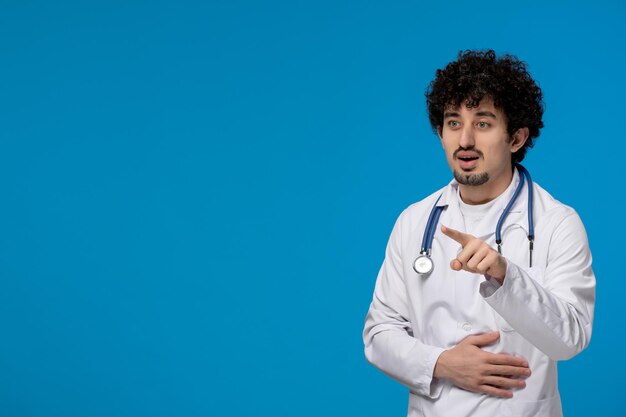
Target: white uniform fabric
point(543, 313)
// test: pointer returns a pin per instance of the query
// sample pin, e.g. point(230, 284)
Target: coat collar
point(453, 218)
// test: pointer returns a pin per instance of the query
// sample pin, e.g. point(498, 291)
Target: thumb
point(484, 339)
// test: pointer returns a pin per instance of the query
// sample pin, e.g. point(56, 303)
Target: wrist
point(500, 281)
point(440, 366)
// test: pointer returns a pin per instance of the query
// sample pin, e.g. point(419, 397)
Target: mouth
point(468, 162)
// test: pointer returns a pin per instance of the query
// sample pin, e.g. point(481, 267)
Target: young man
point(477, 297)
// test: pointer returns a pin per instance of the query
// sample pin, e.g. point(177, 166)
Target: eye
point(453, 124)
point(483, 125)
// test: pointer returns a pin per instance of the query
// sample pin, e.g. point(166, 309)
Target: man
point(478, 332)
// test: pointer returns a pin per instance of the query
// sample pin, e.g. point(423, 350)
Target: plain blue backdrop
point(196, 196)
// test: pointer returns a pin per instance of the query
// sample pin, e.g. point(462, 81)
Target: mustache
point(471, 148)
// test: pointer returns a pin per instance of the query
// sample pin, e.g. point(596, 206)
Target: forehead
point(466, 106)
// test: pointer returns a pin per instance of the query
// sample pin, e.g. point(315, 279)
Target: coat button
point(467, 327)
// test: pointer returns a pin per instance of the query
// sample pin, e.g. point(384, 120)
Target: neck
point(481, 194)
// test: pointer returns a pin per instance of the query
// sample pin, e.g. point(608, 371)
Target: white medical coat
point(543, 313)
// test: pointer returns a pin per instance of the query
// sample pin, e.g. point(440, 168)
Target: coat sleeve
point(552, 310)
point(388, 337)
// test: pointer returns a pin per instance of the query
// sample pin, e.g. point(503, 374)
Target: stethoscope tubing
point(429, 226)
point(435, 213)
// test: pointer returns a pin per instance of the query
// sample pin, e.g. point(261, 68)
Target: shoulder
point(552, 213)
point(560, 232)
point(416, 213)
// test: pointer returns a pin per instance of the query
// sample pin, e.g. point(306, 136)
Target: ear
point(439, 134)
point(518, 139)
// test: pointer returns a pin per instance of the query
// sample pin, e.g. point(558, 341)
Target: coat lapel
point(451, 217)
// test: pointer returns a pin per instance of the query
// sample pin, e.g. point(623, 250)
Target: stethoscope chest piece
point(423, 264)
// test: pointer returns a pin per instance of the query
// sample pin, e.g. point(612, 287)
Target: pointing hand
point(476, 256)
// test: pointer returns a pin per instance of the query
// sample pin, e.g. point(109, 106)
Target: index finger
point(460, 237)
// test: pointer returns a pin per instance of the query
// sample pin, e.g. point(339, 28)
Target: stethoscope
point(424, 264)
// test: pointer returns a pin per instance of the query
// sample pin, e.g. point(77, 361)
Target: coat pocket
point(550, 407)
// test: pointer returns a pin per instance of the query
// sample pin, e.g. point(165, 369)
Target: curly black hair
point(479, 74)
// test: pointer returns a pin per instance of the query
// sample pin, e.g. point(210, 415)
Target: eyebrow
point(483, 113)
point(450, 114)
point(486, 113)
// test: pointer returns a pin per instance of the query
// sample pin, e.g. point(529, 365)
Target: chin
point(472, 177)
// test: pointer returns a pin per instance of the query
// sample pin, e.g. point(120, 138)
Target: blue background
point(197, 196)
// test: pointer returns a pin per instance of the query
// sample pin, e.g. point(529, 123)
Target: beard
point(471, 179)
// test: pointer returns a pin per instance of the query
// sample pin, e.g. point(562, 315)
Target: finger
point(456, 265)
point(484, 339)
point(469, 250)
point(460, 237)
point(478, 258)
point(495, 392)
point(516, 371)
point(503, 382)
point(496, 265)
point(487, 262)
point(504, 359)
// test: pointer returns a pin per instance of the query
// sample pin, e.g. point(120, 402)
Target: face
point(477, 144)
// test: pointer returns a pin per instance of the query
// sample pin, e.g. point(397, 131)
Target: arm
point(555, 312)
point(391, 346)
point(388, 337)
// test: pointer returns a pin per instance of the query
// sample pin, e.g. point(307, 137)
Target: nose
point(467, 137)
